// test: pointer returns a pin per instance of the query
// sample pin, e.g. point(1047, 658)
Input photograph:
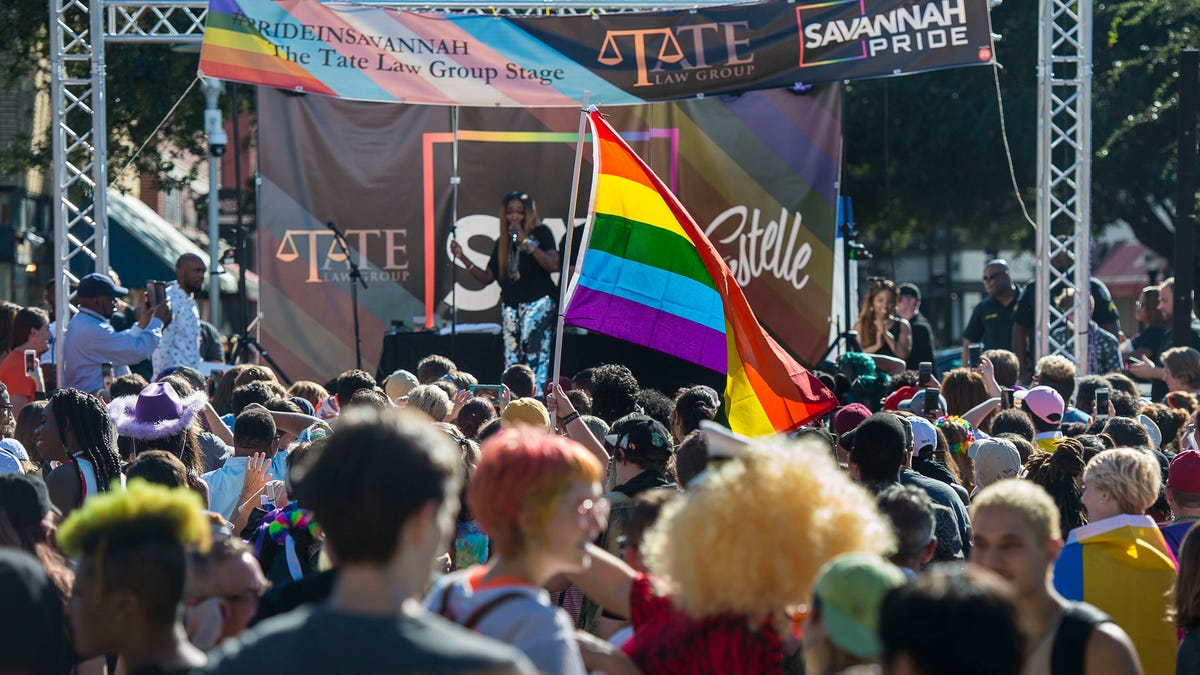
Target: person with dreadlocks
point(1058, 473)
point(75, 432)
point(132, 548)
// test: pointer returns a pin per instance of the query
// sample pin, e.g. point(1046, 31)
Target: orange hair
point(520, 476)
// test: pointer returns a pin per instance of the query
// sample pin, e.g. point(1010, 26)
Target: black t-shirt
point(1154, 340)
point(991, 323)
point(922, 342)
point(533, 282)
point(319, 640)
point(1104, 310)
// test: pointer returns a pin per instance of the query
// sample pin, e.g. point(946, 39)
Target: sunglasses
point(997, 275)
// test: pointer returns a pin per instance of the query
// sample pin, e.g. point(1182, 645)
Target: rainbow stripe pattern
point(650, 276)
point(1122, 566)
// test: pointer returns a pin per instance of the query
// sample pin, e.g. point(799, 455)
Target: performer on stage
point(522, 260)
point(880, 329)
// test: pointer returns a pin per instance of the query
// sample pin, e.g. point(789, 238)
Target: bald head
point(189, 272)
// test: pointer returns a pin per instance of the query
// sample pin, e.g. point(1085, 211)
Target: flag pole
point(564, 265)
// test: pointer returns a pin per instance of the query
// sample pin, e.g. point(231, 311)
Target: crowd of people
point(981, 520)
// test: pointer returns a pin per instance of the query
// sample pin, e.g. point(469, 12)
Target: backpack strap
point(1070, 642)
point(480, 612)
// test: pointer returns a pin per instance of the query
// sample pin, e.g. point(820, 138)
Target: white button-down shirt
point(180, 344)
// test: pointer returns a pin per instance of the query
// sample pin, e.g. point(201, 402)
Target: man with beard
point(180, 345)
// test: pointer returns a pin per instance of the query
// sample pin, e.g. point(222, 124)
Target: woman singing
point(880, 329)
point(522, 260)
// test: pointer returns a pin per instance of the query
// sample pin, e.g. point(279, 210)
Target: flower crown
point(959, 448)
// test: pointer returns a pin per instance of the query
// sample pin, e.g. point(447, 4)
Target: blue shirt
point(91, 340)
point(225, 483)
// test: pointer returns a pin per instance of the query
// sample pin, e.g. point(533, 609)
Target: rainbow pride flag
point(1122, 566)
point(648, 275)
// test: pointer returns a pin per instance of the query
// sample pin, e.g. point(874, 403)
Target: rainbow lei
point(282, 522)
point(954, 420)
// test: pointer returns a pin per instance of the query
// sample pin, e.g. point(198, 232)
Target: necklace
point(1183, 518)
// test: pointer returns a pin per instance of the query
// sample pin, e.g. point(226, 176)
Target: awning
point(1123, 270)
point(143, 246)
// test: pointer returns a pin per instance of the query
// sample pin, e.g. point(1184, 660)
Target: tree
point(946, 163)
point(143, 83)
point(1135, 113)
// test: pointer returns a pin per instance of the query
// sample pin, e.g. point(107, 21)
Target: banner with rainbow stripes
point(372, 53)
point(651, 277)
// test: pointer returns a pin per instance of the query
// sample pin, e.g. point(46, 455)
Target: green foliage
point(945, 151)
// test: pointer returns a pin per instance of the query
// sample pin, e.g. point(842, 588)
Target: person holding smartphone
point(92, 340)
point(30, 337)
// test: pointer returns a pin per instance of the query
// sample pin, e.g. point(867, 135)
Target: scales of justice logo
point(704, 41)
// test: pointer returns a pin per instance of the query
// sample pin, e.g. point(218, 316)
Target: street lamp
point(217, 141)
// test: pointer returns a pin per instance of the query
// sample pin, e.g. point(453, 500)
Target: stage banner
point(372, 53)
point(758, 172)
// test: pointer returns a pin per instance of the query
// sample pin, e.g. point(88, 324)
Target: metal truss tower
point(1064, 174)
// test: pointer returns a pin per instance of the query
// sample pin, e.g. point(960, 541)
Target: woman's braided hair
point(88, 418)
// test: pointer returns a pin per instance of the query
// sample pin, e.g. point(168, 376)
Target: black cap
point(882, 430)
point(95, 285)
point(909, 289)
point(639, 435)
point(25, 499)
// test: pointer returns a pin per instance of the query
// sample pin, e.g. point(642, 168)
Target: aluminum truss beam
point(1064, 209)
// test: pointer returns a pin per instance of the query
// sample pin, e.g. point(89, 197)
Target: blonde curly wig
point(751, 536)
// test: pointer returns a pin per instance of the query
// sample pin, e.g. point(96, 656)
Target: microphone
point(334, 228)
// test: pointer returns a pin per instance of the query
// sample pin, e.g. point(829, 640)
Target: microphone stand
point(356, 278)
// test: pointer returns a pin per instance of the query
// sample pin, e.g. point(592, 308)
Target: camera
point(217, 140)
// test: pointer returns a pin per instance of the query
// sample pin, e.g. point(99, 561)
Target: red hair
point(521, 475)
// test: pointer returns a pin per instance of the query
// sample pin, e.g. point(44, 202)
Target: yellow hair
point(140, 513)
point(752, 535)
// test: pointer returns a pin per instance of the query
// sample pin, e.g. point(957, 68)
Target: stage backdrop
point(759, 171)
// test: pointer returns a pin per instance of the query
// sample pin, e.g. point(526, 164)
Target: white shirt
point(180, 344)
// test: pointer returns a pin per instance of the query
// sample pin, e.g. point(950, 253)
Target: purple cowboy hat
point(156, 412)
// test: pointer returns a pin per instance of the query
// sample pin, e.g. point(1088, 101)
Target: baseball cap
point(909, 290)
point(916, 404)
point(893, 401)
point(881, 430)
point(96, 284)
point(995, 460)
point(639, 435)
point(849, 591)
point(526, 411)
point(849, 417)
point(25, 499)
point(399, 384)
point(924, 434)
point(1044, 402)
point(1184, 474)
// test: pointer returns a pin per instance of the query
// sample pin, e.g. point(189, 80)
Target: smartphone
point(1006, 398)
point(924, 372)
point(931, 400)
point(492, 391)
point(106, 374)
point(1100, 408)
point(31, 362)
point(160, 292)
point(973, 352)
point(214, 377)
